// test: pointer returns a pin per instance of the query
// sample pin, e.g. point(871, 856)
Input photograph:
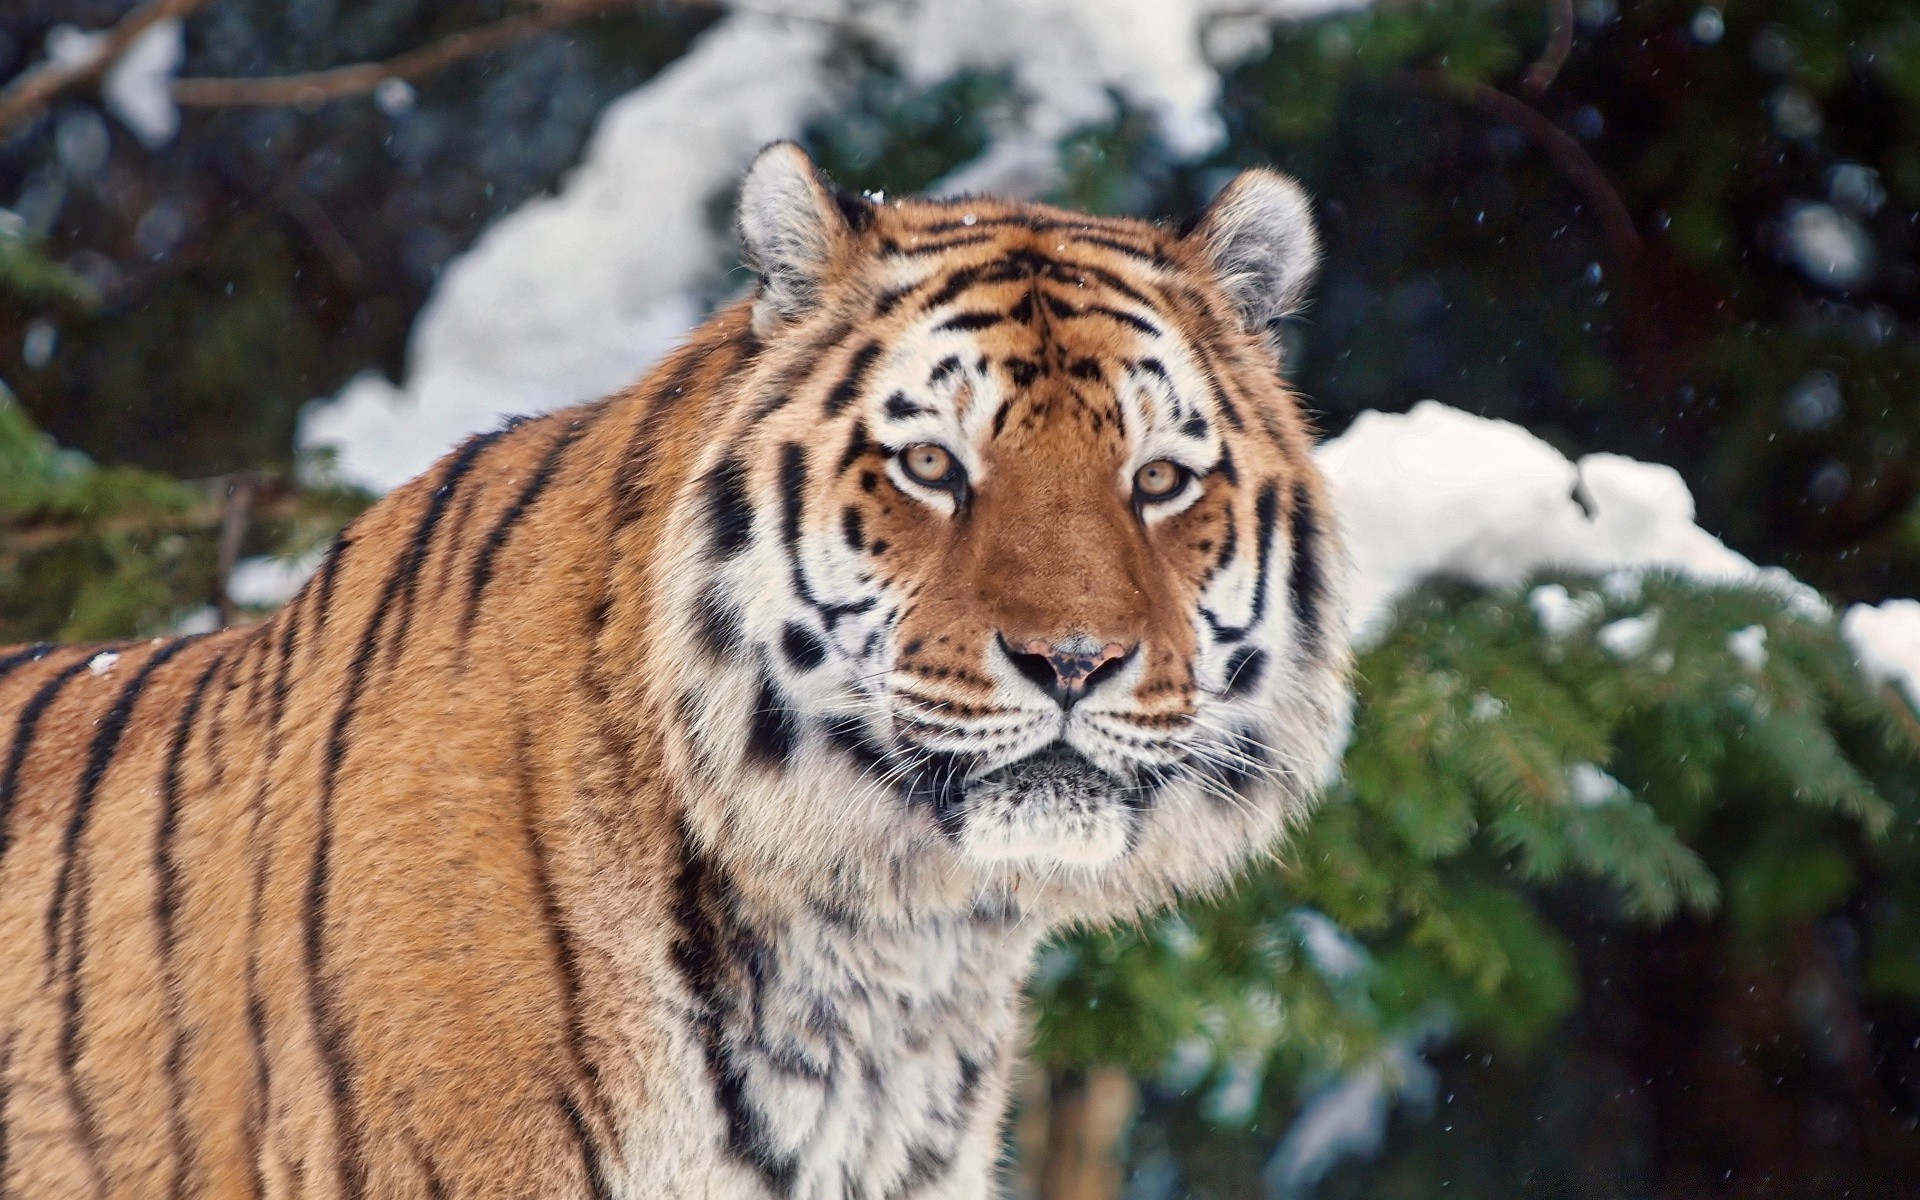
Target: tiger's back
point(205, 837)
point(557, 839)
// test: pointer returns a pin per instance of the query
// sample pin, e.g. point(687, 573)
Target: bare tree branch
point(313, 88)
point(36, 87)
point(1565, 150)
point(1541, 74)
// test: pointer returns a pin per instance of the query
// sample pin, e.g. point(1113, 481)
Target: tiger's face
point(1008, 570)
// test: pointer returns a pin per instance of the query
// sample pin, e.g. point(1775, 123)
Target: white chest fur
point(825, 1058)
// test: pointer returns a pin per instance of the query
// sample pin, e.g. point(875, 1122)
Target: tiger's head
point(1006, 575)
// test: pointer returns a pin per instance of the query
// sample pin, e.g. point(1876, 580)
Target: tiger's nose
point(1067, 669)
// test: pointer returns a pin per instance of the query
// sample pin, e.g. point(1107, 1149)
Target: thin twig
point(241, 486)
point(313, 88)
point(36, 87)
point(1546, 68)
point(1561, 146)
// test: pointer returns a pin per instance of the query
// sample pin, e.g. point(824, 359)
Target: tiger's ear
point(792, 226)
point(1258, 235)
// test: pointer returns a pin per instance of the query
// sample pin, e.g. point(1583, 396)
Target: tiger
point(667, 796)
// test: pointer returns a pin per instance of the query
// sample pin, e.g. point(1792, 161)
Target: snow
point(1829, 246)
point(139, 86)
point(69, 46)
point(1749, 646)
point(1591, 787)
point(268, 582)
point(1335, 955)
point(1559, 612)
point(103, 662)
point(1348, 1116)
point(1885, 639)
point(1439, 492)
point(574, 295)
point(1629, 637)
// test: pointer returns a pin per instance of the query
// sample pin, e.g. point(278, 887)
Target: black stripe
point(21, 657)
point(323, 594)
point(1108, 280)
point(974, 223)
point(717, 622)
point(848, 389)
point(111, 729)
point(802, 647)
point(716, 955)
point(1229, 547)
point(422, 544)
point(956, 283)
point(1306, 582)
point(503, 528)
point(633, 481)
point(1023, 370)
point(1211, 369)
point(323, 1010)
point(900, 407)
point(6, 1094)
point(597, 1184)
point(289, 637)
point(772, 734)
point(926, 248)
point(568, 963)
point(793, 487)
point(942, 369)
point(857, 446)
point(23, 732)
point(166, 906)
point(893, 296)
point(963, 322)
point(729, 512)
point(925, 1165)
point(853, 528)
point(800, 363)
point(1244, 669)
point(1226, 468)
point(1266, 511)
point(1143, 254)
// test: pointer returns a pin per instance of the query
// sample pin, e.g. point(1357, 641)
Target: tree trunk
point(1087, 1123)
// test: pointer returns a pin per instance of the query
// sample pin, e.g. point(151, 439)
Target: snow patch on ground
point(1437, 491)
point(574, 295)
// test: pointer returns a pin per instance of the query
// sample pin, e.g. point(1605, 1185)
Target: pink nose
point(1066, 669)
point(1074, 659)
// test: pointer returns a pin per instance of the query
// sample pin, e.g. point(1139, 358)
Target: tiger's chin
point(1050, 808)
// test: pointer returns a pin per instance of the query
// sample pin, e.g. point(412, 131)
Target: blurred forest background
point(1576, 923)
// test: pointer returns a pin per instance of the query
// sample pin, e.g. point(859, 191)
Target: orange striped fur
point(643, 801)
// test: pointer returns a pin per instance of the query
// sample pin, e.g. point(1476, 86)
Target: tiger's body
point(664, 797)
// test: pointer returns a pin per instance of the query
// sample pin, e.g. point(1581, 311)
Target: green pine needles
point(1668, 746)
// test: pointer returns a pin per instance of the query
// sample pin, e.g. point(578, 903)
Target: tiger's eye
point(1159, 479)
point(928, 463)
